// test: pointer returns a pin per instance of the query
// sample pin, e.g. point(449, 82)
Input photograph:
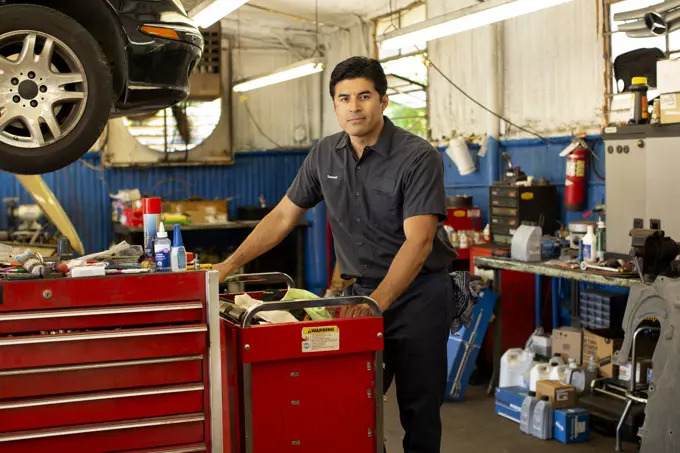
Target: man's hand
point(355, 311)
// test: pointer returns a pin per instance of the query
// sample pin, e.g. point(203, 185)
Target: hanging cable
point(464, 93)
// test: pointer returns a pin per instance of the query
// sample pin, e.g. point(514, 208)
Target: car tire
point(84, 127)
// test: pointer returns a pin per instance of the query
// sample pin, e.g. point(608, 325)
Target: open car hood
point(43, 195)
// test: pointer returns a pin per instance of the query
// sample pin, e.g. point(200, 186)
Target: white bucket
point(514, 364)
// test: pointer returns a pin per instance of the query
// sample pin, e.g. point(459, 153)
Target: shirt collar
point(384, 143)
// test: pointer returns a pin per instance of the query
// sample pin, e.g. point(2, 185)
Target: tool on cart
point(273, 374)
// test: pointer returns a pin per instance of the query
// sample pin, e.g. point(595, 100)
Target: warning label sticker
point(319, 339)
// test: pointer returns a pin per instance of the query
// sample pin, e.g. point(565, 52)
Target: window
point(406, 73)
point(621, 43)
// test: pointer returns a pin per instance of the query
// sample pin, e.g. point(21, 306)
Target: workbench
point(540, 269)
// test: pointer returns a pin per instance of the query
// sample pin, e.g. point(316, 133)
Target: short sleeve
point(424, 191)
point(305, 191)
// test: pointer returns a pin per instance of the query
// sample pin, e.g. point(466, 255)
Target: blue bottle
point(178, 255)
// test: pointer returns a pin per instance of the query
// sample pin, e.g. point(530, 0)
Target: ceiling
point(332, 11)
point(290, 24)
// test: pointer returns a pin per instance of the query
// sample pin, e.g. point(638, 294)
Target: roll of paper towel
point(460, 155)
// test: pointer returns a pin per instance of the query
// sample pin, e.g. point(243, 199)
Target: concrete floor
point(473, 427)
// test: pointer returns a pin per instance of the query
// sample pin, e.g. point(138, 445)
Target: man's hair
point(360, 67)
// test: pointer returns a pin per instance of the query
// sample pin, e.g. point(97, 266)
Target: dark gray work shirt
point(368, 199)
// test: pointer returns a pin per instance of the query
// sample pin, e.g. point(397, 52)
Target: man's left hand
point(355, 311)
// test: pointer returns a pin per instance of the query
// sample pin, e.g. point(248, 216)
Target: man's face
point(358, 106)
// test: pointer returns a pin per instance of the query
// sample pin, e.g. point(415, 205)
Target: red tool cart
point(307, 386)
point(117, 363)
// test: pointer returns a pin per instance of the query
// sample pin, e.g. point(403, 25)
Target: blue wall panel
point(83, 192)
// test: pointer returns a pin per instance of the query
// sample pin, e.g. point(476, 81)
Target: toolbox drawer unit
point(512, 206)
point(118, 363)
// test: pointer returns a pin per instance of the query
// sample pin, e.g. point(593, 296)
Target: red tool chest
point(117, 363)
point(302, 387)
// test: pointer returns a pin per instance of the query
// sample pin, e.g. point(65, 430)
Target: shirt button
point(357, 194)
point(365, 266)
point(359, 243)
point(358, 167)
point(358, 220)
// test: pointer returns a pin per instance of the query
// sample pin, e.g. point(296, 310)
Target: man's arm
point(420, 232)
point(266, 235)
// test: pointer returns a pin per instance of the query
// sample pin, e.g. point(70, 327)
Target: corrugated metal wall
point(83, 192)
point(278, 109)
point(552, 70)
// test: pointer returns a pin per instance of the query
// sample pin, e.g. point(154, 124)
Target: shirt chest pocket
point(385, 203)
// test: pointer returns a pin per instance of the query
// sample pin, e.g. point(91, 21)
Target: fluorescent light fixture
point(294, 71)
point(211, 11)
point(476, 16)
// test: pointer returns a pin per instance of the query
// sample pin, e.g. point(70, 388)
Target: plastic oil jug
point(514, 364)
point(528, 406)
point(542, 419)
point(556, 360)
point(540, 372)
point(559, 373)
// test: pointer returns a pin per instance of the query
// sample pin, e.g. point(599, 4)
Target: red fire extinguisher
point(576, 183)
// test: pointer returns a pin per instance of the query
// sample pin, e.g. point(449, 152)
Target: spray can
point(601, 240)
point(151, 208)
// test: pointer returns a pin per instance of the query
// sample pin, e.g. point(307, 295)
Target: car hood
point(35, 185)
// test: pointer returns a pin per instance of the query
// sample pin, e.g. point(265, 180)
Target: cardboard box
point(568, 342)
point(641, 375)
point(199, 212)
point(507, 411)
point(668, 76)
point(562, 396)
point(571, 425)
point(670, 108)
point(602, 348)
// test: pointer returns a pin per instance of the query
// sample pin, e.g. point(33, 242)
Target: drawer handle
point(101, 396)
point(99, 336)
point(102, 428)
point(99, 311)
point(93, 366)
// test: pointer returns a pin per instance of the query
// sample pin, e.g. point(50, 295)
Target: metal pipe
point(634, 25)
point(640, 13)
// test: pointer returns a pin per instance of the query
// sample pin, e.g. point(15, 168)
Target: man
point(384, 191)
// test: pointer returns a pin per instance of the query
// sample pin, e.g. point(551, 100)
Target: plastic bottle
point(601, 240)
point(556, 360)
point(162, 248)
point(639, 88)
point(542, 419)
point(528, 406)
point(540, 372)
point(515, 363)
point(178, 254)
point(589, 246)
point(559, 373)
point(572, 363)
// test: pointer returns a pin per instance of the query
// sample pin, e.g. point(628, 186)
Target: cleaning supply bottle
point(601, 240)
point(589, 246)
point(528, 406)
point(542, 419)
point(178, 255)
point(162, 248)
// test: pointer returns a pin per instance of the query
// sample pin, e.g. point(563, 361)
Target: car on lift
point(67, 66)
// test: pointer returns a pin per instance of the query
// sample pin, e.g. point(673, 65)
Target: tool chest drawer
point(24, 383)
point(504, 202)
point(115, 290)
point(98, 318)
point(28, 414)
point(504, 222)
point(143, 435)
point(510, 192)
point(46, 350)
point(510, 212)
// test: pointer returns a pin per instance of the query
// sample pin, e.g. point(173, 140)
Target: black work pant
point(416, 331)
